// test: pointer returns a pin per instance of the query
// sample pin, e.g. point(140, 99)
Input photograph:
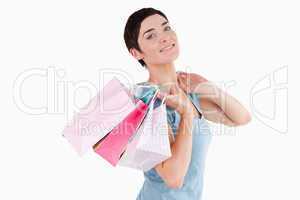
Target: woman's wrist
point(187, 112)
point(186, 119)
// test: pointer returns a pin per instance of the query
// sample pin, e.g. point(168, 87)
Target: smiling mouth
point(167, 48)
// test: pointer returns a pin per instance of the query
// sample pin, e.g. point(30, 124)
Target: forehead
point(153, 21)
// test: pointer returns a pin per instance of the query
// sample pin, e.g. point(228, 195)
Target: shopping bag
point(151, 144)
point(113, 145)
point(104, 112)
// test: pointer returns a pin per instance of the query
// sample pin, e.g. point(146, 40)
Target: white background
point(246, 43)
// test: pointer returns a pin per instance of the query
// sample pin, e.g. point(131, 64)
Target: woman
point(190, 99)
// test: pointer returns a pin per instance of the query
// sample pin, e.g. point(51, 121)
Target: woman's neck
point(163, 75)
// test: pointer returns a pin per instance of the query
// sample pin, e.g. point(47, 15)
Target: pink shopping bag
point(103, 113)
point(114, 144)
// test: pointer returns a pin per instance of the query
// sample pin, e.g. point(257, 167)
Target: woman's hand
point(189, 81)
point(177, 100)
point(218, 106)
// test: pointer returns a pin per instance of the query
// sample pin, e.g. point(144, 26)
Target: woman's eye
point(150, 36)
point(167, 28)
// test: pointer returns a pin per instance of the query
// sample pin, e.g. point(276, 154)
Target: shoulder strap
point(195, 101)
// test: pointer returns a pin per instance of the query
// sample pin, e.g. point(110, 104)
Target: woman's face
point(157, 40)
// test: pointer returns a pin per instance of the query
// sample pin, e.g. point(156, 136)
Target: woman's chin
point(172, 58)
point(169, 58)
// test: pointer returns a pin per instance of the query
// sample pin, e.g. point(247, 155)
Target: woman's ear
point(136, 54)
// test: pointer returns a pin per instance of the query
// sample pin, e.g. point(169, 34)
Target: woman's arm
point(220, 107)
point(217, 105)
point(173, 170)
point(214, 113)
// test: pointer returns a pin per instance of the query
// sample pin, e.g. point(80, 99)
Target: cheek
point(154, 49)
point(146, 46)
point(151, 49)
point(174, 37)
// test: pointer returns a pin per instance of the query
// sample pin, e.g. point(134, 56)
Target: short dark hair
point(133, 25)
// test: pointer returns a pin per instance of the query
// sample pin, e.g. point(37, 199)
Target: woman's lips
point(167, 48)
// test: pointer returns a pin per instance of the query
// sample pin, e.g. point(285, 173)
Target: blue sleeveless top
point(154, 187)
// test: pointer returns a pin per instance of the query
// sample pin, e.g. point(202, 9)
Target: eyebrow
point(151, 29)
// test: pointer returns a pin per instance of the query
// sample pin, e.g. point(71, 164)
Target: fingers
point(171, 99)
point(181, 84)
point(183, 74)
point(184, 82)
point(194, 76)
point(184, 77)
point(161, 95)
point(174, 89)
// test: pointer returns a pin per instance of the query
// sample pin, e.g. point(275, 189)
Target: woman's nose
point(164, 38)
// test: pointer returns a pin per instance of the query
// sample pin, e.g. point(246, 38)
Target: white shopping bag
point(151, 145)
